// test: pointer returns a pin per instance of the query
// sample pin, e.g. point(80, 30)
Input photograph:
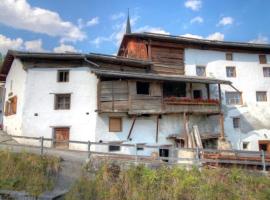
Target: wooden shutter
point(14, 105)
point(6, 108)
point(115, 124)
point(262, 59)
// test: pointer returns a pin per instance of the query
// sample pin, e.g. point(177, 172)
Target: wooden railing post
point(263, 161)
point(41, 145)
point(89, 149)
point(136, 154)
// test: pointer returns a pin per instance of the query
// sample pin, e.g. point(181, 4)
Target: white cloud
point(63, 48)
point(194, 5)
point(117, 16)
point(192, 36)
point(214, 36)
point(225, 21)
point(260, 40)
point(34, 45)
point(152, 30)
point(8, 43)
point(94, 21)
point(21, 15)
point(197, 19)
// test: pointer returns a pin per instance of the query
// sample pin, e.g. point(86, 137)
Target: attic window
point(229, 56)
point(262, 59)
point(143, 88)
point(63, 75)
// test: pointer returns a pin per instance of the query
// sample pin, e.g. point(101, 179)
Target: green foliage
point(169, 183)
point(27, 172)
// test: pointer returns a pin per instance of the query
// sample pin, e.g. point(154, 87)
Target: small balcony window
point(143, 88)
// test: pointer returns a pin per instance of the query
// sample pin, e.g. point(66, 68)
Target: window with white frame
point(261, 96)
point(230, 71)
point(233, 98)
point(266, 71)
point(200, 71)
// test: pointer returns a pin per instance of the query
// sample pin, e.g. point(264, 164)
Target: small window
point(236, 122)
point(230, 72)
point(143, 88)
point(200, 71)
point(233, 98)
point(63, 75)
point(62, 102)
point(197, 94)
point(229, 56)
point(115, 124)
point(261, 96)
point(245, 145)
point(114, 148)
point(266, 71)
point(262, 59)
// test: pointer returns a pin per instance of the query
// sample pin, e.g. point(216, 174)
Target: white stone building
point(153, 92)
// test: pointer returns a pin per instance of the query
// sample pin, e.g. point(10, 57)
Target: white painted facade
point(254, 116)
point(36, 87)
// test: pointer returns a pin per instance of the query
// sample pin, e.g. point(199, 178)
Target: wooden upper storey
point(167, 52)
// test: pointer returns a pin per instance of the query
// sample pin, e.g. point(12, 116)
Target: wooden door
point(264, 145)
point(61, 135)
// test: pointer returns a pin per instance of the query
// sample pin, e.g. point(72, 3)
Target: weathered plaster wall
point(144, 130)
point(15, 84)
point(249, 78)
point(41, 85)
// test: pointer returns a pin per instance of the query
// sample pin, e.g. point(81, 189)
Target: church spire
point(128, 27)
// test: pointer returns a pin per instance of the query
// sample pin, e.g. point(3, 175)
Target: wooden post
point(131, 128)
point(185, 131)
point(190, 90)
point(89, 149)
point(41, 145)
point(157, 129)
point(221, 122)
point(208, 90)
point(112, 97)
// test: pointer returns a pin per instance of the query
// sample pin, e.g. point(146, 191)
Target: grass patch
point(142, 183)
point(27, 172)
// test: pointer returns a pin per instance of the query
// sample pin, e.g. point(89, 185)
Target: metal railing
point(184, 156)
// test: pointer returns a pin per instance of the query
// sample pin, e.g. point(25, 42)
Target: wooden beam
point(157, 129)
point(131, 128)
point(219, 95)
point(234, 88)
point(221, 122)
point(190, 90)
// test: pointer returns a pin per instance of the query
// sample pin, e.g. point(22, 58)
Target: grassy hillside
point(27, 172)
point(142, 183)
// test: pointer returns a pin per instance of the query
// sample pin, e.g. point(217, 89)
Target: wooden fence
point(184, 156)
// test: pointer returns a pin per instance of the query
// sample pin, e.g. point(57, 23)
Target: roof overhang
point(151, 76)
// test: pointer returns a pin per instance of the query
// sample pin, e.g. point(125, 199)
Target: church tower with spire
point(128, 26)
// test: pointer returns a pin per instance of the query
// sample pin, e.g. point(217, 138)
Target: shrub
point(169, 183)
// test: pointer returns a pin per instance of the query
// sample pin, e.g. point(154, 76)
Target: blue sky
point(98, 25)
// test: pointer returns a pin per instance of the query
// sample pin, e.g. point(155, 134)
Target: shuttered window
point(11, 106)
point(115, 124)
point(236, 122)
point(200, 71)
